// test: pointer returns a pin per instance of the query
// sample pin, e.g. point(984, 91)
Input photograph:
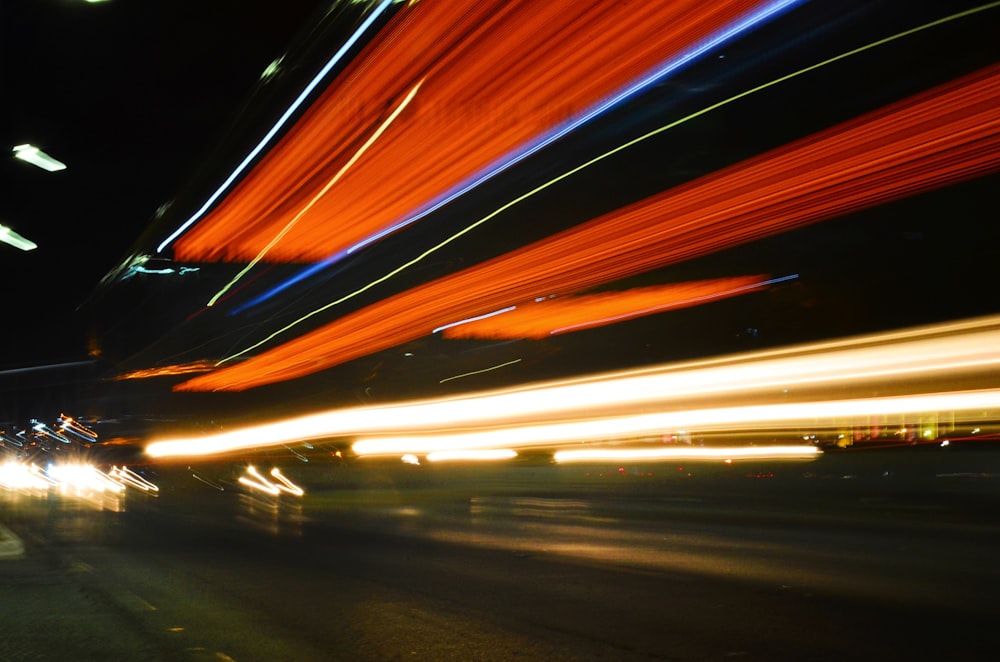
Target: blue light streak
point(281, 287)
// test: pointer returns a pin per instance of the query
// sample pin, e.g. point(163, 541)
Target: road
point(855, 557)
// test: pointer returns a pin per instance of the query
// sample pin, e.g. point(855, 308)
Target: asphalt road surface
point(875, 556)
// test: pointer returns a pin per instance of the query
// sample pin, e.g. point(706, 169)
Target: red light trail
point(496, 75)
point(547, 317)
point(943, 136)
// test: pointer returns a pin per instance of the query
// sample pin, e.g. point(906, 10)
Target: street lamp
point(8, 236)
point(37, 157)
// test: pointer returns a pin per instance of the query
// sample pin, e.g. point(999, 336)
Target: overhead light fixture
point(37, 157)
point(8, 236)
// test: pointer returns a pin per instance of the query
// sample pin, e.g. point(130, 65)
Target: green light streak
point(479, 372)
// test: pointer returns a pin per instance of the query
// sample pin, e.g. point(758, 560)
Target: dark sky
point(131, 95)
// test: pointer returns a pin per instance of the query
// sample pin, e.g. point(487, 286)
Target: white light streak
point(727, 418)
point(83, 478)
point(475, 319)
point(254, 480)
point(285, 484)
point(71, 478)
point(20, 476)
point(462, 454)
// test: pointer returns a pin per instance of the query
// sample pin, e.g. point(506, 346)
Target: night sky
point(131, 95)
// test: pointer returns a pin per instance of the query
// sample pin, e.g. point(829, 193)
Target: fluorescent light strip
point(8, 236)
point(36, 157)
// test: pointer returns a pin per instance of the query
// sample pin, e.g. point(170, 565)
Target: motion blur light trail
point(169, 370)
point(126, 476)
point(908, 363)
point(70, 478)
point(548, 317)
point(943, 136)
point(501, 78)
point(687, 453)
point(255, 481)
point(826, 413)
point(319, 194)
point(23, 476)
point(460, 454)
point(306, 273)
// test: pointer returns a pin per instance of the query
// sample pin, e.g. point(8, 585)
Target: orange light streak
point(497, 74)
point(547, 317)
point(167, 370)
point(943, 136)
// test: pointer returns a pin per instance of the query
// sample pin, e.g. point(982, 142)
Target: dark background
point(131, 95)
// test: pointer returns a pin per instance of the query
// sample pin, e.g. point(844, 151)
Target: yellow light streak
point(479, 372)
point(83, 478)
point(475, 454)
point(323, 191)
point(718, 419)
point(256, 481)
point(926, 360)
point(285, 484)
point(682, 453)
point(21, 476)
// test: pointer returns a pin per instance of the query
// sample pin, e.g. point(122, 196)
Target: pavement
point(52, 608)
point(11, 546)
